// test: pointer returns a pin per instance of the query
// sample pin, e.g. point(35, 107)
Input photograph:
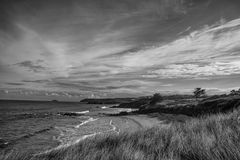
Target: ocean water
point(41, 126)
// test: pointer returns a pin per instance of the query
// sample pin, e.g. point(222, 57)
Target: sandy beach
point(98, 124)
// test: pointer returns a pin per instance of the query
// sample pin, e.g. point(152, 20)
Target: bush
point(156, 98)
point(235, 92)
point(199, 92)
point(123, 113)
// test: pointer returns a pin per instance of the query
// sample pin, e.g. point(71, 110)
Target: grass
point(211, 105)
point(215, 137)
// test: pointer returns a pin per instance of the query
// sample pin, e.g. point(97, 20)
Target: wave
point(104, 107)
point(126, 110)
point(84, 137)
point(82, 112)
point(113, 129)
point(85, 122)
point(3, 143)
point(68, 144)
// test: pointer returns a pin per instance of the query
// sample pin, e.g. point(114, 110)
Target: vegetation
point(214, 137)
point(142, 102)
point(139, 103)
point(199, 92)
point(235, 92)
point(156, 98)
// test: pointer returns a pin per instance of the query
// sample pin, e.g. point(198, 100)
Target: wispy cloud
point(212, 50)
point(15, 84)
point(32, 66)
point(198, 71)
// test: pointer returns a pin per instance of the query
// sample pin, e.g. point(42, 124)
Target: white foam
point(83, 112)
point(85, 122)
point(114, 129)
point(126, 110)
point(84, 137)
point(68, 144)
point(104, 107)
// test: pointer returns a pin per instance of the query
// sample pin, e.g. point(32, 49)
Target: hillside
point(186, 106)
point(204, 107)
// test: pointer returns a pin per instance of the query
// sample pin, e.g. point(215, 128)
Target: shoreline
point(92, 123)
point(139, 121)
point(114, 129)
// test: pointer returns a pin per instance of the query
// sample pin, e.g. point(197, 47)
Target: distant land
point(107, 100)
point(124, 101)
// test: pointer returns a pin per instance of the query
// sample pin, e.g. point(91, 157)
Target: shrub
point(123, 113)
point(235, 92)
point(199, 92)
point(156, 98)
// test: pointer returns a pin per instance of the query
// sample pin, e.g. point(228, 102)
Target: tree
point(235, 92)
point(199, 92)
point(156, 98)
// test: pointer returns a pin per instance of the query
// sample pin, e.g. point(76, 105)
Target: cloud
point(103, 48)
point(42, 94)
point(210, 51)
point(15, 84)
point(32, 66)
point(36, 81)
point(215, 46)
point(197, 70)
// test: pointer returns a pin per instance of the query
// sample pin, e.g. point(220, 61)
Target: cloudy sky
point(72, 49)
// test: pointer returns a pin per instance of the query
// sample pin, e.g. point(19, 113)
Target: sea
point(37, 126)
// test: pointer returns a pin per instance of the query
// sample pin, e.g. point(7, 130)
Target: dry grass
point(215, 137)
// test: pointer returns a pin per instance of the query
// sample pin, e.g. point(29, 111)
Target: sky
point(75, 49)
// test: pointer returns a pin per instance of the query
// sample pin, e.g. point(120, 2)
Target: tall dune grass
point(215, 137)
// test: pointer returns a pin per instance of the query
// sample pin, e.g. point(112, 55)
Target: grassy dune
point(215, 137)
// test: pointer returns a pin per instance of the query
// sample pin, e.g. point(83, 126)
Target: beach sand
point(99, 123)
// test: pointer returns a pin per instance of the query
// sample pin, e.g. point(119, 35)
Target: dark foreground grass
point(215, 137)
